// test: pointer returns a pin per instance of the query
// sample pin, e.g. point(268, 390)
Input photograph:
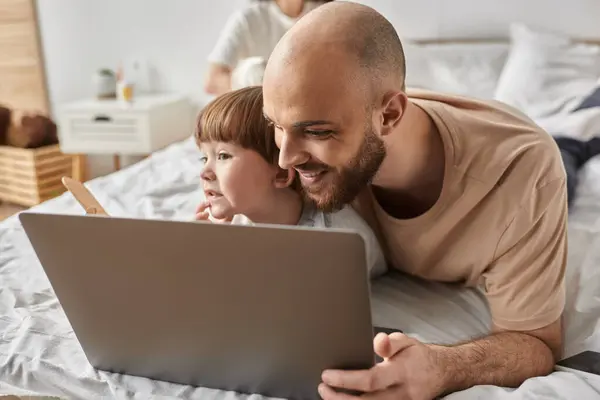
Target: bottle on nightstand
point(124, 87)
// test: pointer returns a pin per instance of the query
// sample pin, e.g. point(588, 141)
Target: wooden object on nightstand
point(31, 176)
point(112, 127)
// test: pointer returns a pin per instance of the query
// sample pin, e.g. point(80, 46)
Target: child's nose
point(207, 175)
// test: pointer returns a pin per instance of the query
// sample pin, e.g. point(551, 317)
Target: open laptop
point(253, 309)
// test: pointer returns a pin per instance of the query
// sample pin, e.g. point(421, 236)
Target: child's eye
point(223, 156)
point(203, 160)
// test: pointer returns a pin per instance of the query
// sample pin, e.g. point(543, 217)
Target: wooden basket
point(32, 176)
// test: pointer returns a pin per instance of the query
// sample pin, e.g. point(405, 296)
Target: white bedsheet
point(40, 355)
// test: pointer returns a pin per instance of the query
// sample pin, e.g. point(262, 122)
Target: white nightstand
point(149, 123)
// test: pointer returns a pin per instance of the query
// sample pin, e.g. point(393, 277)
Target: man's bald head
point(357, 33)
point(333, 89)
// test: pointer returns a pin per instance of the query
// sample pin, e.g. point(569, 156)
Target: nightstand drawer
point(103, 132)
point(141, 127)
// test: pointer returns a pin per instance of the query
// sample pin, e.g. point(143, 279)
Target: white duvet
point(40, 355)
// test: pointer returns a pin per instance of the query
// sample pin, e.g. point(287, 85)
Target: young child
point(243, 183)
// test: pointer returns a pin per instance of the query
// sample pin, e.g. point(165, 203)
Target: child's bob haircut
point(237, 117)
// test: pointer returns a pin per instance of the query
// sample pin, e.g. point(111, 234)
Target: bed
point(39, 354)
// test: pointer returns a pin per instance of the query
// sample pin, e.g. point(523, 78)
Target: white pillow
point(546, 73)
point(470, 69)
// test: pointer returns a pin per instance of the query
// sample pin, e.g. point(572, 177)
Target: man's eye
point(318, 134)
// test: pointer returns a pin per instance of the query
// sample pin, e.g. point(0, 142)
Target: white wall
point(81, 36)
point(175, 36)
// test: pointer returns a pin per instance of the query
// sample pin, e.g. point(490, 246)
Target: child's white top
point(346, 218)
point(253, 32)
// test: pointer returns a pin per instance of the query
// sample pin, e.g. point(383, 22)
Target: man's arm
point(414, 370)
point(502, 358)
point(524, 286)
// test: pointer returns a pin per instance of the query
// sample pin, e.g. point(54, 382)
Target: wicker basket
point(32, 176)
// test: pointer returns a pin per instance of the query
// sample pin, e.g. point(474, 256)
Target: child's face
point(235, 180)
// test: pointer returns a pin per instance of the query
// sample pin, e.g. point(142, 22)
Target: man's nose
point(291, 153)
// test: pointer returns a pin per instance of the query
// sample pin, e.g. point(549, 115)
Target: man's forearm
point(502, 359)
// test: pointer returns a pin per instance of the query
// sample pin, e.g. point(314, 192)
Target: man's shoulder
point(470, 119)
point(490, 141)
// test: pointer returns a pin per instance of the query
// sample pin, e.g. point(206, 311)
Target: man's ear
point(284, 177)
point(393, 106)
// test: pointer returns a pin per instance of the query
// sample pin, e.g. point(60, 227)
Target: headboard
point(458, 20)
point(467, 41)
point(541, 71)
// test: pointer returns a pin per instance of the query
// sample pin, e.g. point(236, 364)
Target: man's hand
point(413, 370)
point(203, 214)
point(409, 371)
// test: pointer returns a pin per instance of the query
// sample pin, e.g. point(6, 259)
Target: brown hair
point(237, 117)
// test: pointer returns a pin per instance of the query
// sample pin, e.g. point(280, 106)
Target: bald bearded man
point(458, 190)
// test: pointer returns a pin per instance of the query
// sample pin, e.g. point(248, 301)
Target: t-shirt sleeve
point(348, 218)
point(241, 219)
point(376, 262)
point(232, 45)
point(525, 283)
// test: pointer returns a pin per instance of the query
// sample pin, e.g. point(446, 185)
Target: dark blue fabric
point(575, 153)
point(572, 175)
point(593, 100)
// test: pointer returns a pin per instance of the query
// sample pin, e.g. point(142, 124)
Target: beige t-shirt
point(501, 219)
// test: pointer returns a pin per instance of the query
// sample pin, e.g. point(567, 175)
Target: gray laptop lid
point(261, 309)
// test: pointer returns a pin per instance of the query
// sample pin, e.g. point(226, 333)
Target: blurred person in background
point(251, 33)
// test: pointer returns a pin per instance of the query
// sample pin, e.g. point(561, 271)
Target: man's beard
point(349, 180)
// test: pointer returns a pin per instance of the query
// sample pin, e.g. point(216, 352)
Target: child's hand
point(203, 214)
